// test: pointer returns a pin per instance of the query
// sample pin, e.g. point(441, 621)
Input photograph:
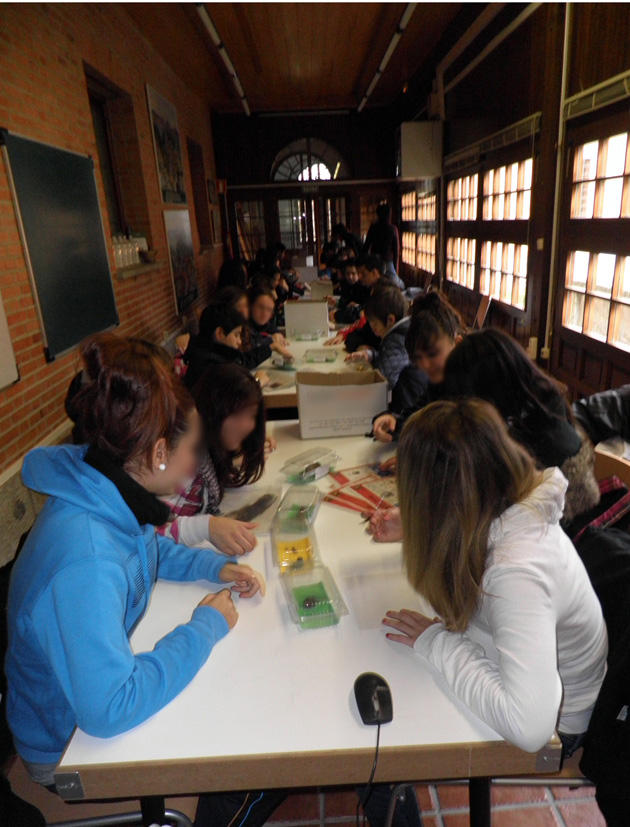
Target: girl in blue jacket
point(84, 577)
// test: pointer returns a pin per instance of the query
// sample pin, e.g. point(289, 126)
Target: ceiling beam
point(214, 35)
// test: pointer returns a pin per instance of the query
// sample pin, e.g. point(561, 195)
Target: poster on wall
point(182, 258)
point(168, 153)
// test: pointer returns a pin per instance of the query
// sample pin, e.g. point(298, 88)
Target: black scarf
point(146, 507)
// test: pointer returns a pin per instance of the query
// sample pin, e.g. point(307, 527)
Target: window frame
point(414, 227)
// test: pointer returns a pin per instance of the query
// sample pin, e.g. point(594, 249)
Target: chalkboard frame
point(106, 285)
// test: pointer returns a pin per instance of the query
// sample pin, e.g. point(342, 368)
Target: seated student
point(230, 404)
point(253, 355)
point(490, 556)
point(85, 574)
point(435, 329)
point(262, 307)
point(490, 365)
point(231, 274)
point(219, 341)
point(385, 311)
point(605, 415)
point(352, 294)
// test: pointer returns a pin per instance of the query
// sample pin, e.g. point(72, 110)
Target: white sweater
point(545, 622)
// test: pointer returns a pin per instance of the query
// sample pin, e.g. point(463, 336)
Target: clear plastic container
point(310, 465)
point(257, 504)
point(320, 354)
point(313, 598)
point(293, 544)
point(284, 363)
point(301, 502)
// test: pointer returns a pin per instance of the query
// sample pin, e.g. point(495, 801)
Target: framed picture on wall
point(213, 196)
point(182, 258)
point(168, 153)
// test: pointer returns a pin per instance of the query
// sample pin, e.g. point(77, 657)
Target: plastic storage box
point(293, 543)
point(300, 502)
point(313, 598)
point(322, 354)
point(310, 465)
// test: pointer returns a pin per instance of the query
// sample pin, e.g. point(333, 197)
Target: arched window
point(309, 159)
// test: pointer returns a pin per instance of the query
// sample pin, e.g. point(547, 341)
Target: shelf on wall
point(134, 270)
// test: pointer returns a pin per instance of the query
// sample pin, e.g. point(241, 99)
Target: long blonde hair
point(458, 470)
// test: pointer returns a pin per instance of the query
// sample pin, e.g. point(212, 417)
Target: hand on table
point(336, 340)
point(358, 356)
point(246, 581)
point(389, 464)
point(223, 603)
point(231, 536)
point(385, 525)
point(408, 626)
point(282, 350)
point(384, 427)
point(279, 339)
point(270, 445)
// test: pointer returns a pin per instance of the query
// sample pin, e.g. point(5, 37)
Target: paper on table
point(372, 594)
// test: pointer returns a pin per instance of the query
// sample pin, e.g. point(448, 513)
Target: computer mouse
point(374, 699)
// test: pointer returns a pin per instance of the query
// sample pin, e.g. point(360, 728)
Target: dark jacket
point(362, 336)
point(201, 353)
point(349, 293)
point(411, 386)
point(431, 393)
point(605, 415)
point(261, 334)
point(382, 240)
point(391, 356)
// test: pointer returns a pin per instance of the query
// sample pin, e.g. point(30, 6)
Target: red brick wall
point(43, 96)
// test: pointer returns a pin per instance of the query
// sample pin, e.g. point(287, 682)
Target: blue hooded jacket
point(79, 587)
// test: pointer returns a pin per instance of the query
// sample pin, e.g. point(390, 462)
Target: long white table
point(274, 706)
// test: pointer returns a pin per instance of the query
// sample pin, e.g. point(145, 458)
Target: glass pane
point(573, 310)
point(577, 269)
point(583, 200)
point(509, 266)
point(623, 280)
point(526, 204)
point(506, 288)
point(510, 206)
point(596, 318)
point(527, 178)
point(484, 282)
point(520, 288)
point(585, 167)
point(620, 333)
point(616, 155)
point(604, 273)
point(485, 254)
point(611, 198)
point(521, 262)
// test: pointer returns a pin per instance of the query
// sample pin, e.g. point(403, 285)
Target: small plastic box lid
point(320, 354)
point(310, 465)
point(313, 598)
point(300, 502)
point(293, 544)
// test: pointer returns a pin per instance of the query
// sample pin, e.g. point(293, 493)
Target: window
point(309, 159)
point(409, 248)
point(250, 223)
point(200, 191)
point(461, 198)
point(293, 223)
point(408, 206)
point(597, 296)
point(601, 179)
point(460, 261)
point(335, 213)
point(507, 192)
point(368, 205)
point(504, 272)
point(427, 206)
point(426, 252)
point(105, 151)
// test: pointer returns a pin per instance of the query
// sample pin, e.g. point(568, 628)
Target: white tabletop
point(269, 688)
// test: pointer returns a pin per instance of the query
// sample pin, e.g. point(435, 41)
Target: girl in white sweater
point(482, 543)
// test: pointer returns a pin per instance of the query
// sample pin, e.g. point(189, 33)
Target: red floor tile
point(302, 806)
point(586, 814)
point(516, 795)
point(528, 817)
point(573, 792)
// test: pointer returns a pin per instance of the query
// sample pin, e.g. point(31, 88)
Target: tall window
point(460, 261)
point(294, 228)
point(507, 192)
point(105, 151)
point(601, 179)
point(461, 198)
point(418, 211)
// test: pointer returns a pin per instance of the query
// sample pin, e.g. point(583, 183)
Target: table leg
point(152, 810)
point(479, 799)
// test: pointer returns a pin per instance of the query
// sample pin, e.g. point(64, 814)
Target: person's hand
point(358, 356)
point(336, 340)
point(270, 445)
point(384, 428)
point(353, 304)
point(282, 351)
point(262, 377)
point(408, 626)
point(231, 536)
point(389, 464)
point(279, 339)
point(385, 525)
point(223, 603)
point(246, 581)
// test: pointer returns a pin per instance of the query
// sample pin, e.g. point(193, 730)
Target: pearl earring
point(162, 466)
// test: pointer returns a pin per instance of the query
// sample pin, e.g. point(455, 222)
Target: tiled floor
point(446, 805)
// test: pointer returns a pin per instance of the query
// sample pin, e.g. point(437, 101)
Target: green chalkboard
point(58, 211)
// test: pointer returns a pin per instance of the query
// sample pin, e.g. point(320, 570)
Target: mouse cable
point(368, 789)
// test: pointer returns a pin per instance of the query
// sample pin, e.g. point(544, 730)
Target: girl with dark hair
point(230, 403)
point(482, 543)
point(232, 274)
point(491, 365)
point(85, 574)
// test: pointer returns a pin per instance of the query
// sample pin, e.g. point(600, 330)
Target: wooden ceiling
point(293, 56)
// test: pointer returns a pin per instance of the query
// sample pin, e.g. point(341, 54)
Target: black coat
point(605, 415)
point(202, 353)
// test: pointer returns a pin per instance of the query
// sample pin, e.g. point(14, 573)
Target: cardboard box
point(339, 404)
point(321, 289)
point(306, 319)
